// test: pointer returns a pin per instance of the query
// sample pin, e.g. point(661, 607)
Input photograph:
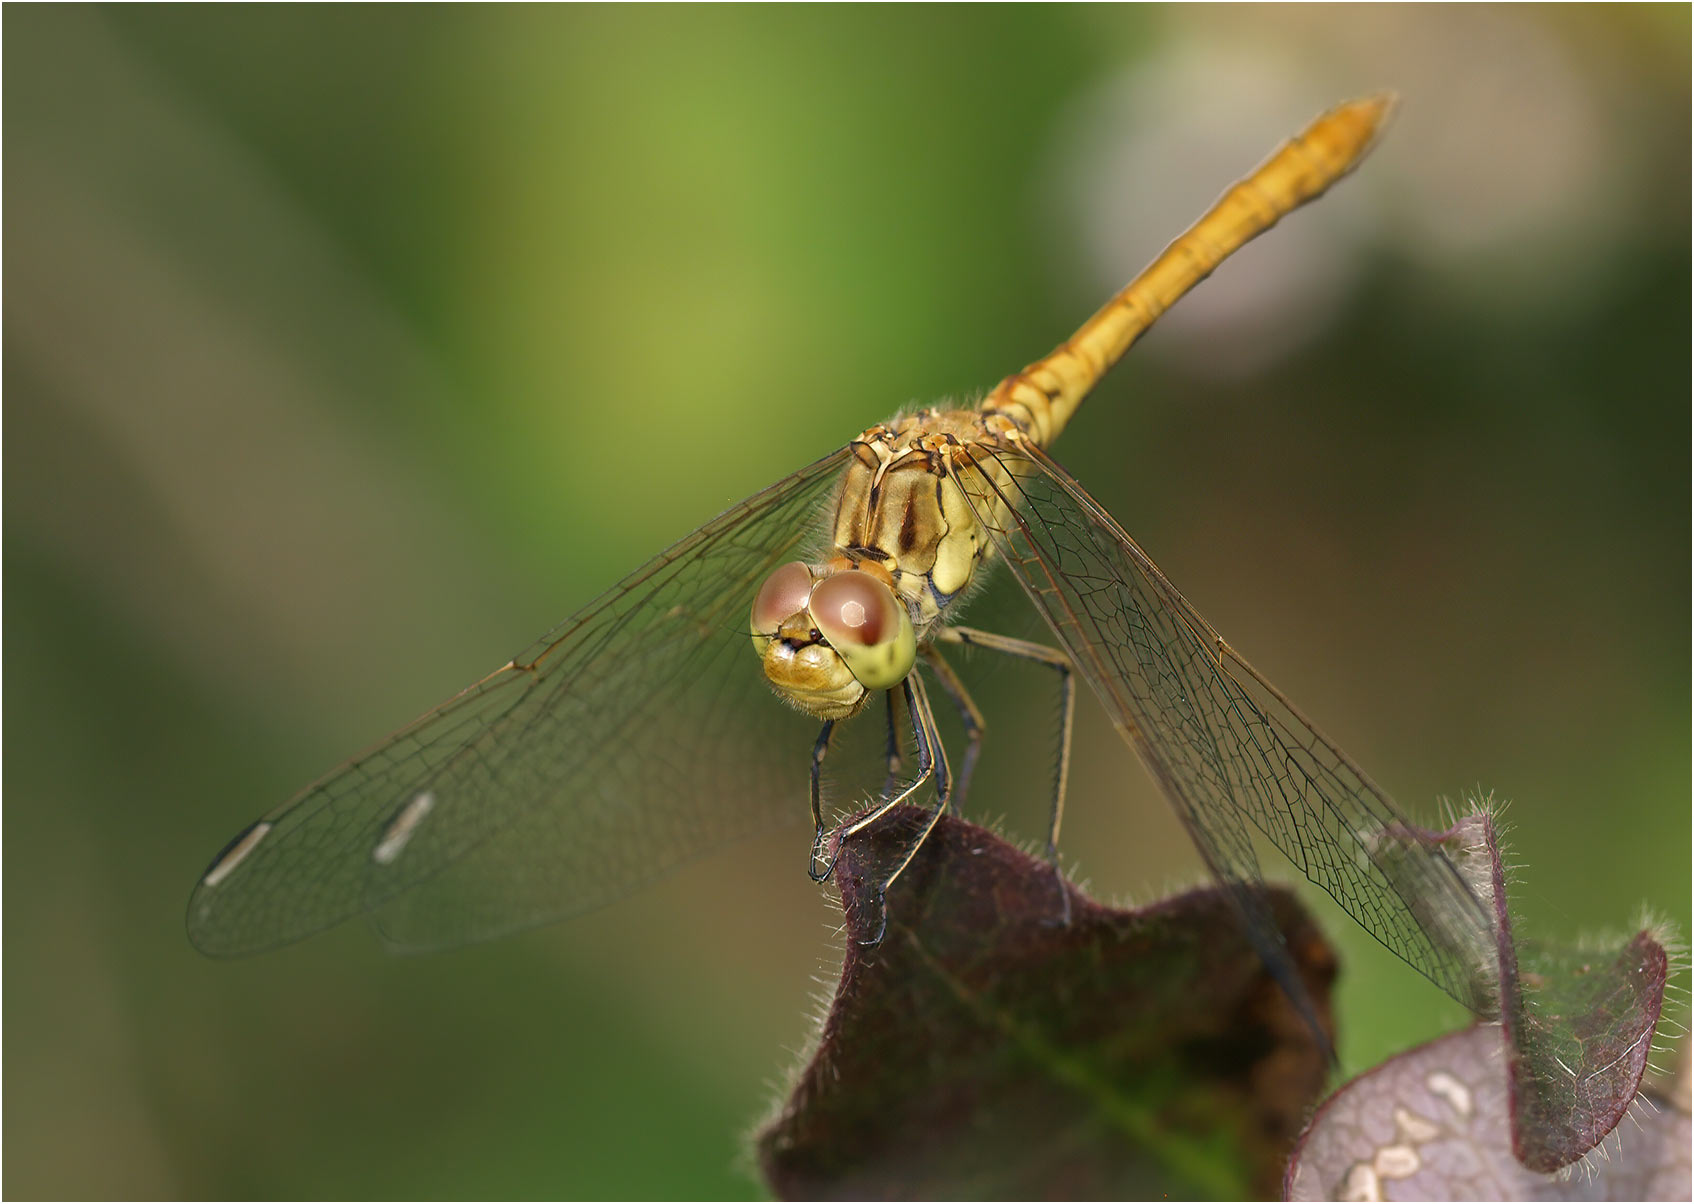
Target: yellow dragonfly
point(640, 731)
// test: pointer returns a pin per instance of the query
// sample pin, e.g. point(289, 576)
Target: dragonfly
point(643, 730)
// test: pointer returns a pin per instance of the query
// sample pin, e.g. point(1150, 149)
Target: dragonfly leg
point(969, 715)
point(932, 761)
point(893, 754)
point(1056, 660)
point(821, 869)
point(819, 751)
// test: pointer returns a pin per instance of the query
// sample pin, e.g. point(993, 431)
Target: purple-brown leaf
point(1577, 1025)
point(986, 1048)
point(1436, 1124)
point(1491, 1112)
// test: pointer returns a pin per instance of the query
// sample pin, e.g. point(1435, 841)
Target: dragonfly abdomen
point(1044, 396)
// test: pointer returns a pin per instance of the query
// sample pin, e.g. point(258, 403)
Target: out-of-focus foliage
point(347, 349)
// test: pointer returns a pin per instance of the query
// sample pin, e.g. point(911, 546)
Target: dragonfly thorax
point(901, 508)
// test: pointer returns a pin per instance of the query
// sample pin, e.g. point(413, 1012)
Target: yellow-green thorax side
point(902, 514)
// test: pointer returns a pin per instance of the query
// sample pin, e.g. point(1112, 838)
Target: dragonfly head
point(829, 639)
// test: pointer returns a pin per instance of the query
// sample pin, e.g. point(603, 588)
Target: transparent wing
point(1225, 746)
point(634, 735)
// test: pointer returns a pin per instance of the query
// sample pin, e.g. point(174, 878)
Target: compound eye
point(867, 625)
point(782, 596)
point(853, 607)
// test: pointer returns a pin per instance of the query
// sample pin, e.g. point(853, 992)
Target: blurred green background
point(347, 349)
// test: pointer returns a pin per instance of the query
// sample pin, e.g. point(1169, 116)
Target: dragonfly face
point(828, 639)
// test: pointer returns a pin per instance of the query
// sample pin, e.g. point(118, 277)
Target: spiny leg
point(819, 751)
point(893, 745)
point(932, 759)
point(890, 799)
point(1056, 660)
point(969, 715)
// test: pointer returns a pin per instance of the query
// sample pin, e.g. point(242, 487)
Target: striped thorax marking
point(903, 509)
